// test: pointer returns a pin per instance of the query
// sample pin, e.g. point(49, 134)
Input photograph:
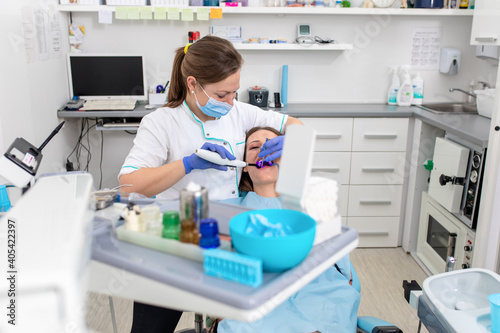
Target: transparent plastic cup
point(495, 312)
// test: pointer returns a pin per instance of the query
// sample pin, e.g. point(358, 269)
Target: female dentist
point(200, 112)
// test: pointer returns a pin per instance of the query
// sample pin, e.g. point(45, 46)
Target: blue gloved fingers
point(273, 156)
point(223, 152)
point(270, 147)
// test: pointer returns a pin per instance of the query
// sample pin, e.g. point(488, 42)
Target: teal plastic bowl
point(277, 253)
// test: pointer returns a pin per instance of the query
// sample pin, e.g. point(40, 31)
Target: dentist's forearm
point(152, 181)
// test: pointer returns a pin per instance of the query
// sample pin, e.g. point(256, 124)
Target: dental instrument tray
point(193, 290)
point(172, 246)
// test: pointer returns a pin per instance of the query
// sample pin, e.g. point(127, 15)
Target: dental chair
point(366, 324)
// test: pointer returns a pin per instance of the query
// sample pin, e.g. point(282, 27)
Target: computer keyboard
point(109, 104)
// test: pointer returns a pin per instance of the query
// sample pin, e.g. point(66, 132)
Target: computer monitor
point(107, 76)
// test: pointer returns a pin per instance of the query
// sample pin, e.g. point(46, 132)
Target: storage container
point(82, 2)
point(173, 3)
point(485, 100)
point(126, 2)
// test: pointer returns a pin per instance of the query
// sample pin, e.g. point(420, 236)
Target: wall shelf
point(302, 10)
point(291, 47)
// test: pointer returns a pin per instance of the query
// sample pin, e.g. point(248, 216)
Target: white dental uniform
point(167, 135)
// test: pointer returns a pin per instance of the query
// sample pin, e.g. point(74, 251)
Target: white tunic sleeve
point(150, 146)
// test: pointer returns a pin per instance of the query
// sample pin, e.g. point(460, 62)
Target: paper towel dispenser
point(450, 61)
point(490, 53)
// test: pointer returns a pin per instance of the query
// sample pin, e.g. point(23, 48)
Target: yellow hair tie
point(186, 47)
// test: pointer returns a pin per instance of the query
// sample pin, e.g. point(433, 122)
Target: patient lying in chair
point(327, 304)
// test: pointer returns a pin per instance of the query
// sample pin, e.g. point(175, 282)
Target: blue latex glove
point(193, 161)
point(272, 149)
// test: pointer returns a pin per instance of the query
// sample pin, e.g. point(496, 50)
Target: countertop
point(472, 127)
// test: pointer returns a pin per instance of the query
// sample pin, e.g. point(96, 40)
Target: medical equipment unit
point(443, 239)
point(20, 162)
point(457, 176)
point(450, 210)
point(49, 234)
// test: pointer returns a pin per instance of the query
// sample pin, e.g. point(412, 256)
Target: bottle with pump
point(470, 99)
point(392, 94)
point(418, 90)
point(405, 93)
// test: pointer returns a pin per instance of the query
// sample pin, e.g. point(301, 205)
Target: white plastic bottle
point(392, 93)
point(418, 90)
point(405, 92)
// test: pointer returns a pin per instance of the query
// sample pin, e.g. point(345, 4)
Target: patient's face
point(267, 174)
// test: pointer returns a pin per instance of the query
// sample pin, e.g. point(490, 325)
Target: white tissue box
point(327, 230)
point(485, 100)
point(157, 99)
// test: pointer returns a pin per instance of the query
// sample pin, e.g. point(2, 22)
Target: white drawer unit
point(374, 200)
point(380, 134)
point(376, 231)
point(332, 134)
point(377, 168)
point(367, 156)
point(338, 164)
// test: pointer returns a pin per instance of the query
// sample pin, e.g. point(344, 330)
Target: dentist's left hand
point(193, 161)
point(272, 149)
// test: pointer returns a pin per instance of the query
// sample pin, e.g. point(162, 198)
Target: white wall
point(358, 76)
point(31, 93)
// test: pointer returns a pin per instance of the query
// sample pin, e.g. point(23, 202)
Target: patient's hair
point(210, 60)
point(246, 183)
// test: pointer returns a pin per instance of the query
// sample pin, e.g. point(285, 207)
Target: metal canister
point(194, 203)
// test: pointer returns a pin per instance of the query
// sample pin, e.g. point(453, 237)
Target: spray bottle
point(418, 90)
point(392, 93)
point(405, 93)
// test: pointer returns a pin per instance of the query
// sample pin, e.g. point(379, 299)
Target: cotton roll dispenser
point(450, 61)
point(258, 96)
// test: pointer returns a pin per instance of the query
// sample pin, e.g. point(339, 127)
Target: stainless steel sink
point(449, 108)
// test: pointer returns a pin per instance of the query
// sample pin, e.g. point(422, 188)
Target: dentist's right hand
point(193, 161)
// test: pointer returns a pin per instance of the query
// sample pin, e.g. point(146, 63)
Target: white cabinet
point(367, 156)
point(485, 23)
point(332, 134)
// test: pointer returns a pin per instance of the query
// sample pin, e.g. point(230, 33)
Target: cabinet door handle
point(334, 169)
point(380, 136)
point(375, 202)
point(328, 136)
point(373, 233)
point(486, 39)
point(375, 169)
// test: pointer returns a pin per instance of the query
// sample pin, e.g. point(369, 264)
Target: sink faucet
point(465, 92)
point(450, 264)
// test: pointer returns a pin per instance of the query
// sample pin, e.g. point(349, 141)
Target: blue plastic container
point(429, 3)
point(495, 312)
point(4, 199)
point(209, 231)
point(233, 266)
point(277, 253)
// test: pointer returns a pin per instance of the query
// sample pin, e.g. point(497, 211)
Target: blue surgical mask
point(213, 108)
